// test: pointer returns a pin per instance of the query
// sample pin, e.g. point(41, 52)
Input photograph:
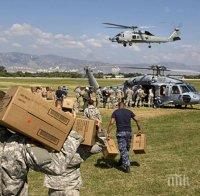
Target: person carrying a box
point(122, 117)
point(19, 154)
point(92, 112)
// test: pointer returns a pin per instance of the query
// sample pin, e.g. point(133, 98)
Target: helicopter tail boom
point(175, 36)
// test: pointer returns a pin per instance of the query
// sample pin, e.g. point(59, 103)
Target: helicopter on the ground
point(134, 34)
point(167, 90)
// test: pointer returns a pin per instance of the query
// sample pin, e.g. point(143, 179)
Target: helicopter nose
point(117, 39)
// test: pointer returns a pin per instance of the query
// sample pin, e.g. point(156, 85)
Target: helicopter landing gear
point(124, 44)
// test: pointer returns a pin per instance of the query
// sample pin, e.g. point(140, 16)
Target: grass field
point(173, 137)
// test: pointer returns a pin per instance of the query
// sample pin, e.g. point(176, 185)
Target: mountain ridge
point(16, 61)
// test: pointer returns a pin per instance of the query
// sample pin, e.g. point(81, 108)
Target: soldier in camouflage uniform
point(19, 154)
point(98, 97)
point(86, 98)
point(140, 97)
point(70, 182)
point(92, 112)
point(119, 94)
point(129, 97)
point(78, 96)
point(4, 136)
point(111, 98)
point(150, 98)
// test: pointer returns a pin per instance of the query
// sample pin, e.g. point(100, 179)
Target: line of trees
point(4, 73)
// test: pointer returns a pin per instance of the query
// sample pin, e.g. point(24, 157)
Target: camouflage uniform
point(78, 97)
point(140, 97)
point(92, 112)
point(69, 183)
point(129, 98)
point(124, 143)
point(119, 95)
point(4, 136)
point(18, 156)
point(111, 98)
point(98, 98)
point(86, 97)
point(150, 98)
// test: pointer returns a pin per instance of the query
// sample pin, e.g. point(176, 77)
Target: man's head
point(121, 104)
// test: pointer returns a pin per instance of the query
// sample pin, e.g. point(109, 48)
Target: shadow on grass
point(108, 163)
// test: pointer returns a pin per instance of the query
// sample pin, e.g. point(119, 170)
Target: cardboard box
point(111, 149)
point(87, 128)
point(139, 143)
point(29, 114)
point(68, 103)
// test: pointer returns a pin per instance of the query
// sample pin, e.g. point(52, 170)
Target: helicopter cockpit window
point(175, 90)
point(192, 89)
point(118, 34)
point(148, 33)
point(134, 36)
point(184, 89)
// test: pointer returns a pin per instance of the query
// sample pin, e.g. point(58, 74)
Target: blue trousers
point(124, 144)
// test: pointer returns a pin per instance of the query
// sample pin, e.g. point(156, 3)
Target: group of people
point(132, 97)
point(19, 154)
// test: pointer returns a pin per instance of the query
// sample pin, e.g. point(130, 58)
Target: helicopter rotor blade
point(120, 26)
point(185, 71)
point(130, 67)
point(146, 27)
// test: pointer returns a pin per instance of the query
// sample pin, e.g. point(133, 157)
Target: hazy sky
point(73, 28)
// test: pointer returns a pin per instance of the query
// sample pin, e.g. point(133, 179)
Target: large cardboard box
point(87, 128)
point(139, 143)
point(111, 149)
point(34, 117)
point(68, 103)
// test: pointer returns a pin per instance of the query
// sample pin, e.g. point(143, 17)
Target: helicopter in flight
point(167, 90)
point(134, 34)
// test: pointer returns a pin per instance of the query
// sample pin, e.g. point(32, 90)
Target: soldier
point(140, 97)
point(111, 98)
point(105, 96)
point(4, 136)
point(150, 98)
point(65, 90)
point(129, 97)
point(78, 96)
point(122, 117)
point(59, 97)
point(70, 182)
point(92, 112)
point(86, 98)
point(119, 94)
point(98, 97)
point(19, 154)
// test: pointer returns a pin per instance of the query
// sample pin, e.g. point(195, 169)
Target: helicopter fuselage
point(167, 90)
point(130, 37)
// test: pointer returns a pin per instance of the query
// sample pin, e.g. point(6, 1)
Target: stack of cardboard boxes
point(29, 114)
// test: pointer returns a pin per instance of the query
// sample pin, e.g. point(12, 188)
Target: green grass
point(173, 148)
